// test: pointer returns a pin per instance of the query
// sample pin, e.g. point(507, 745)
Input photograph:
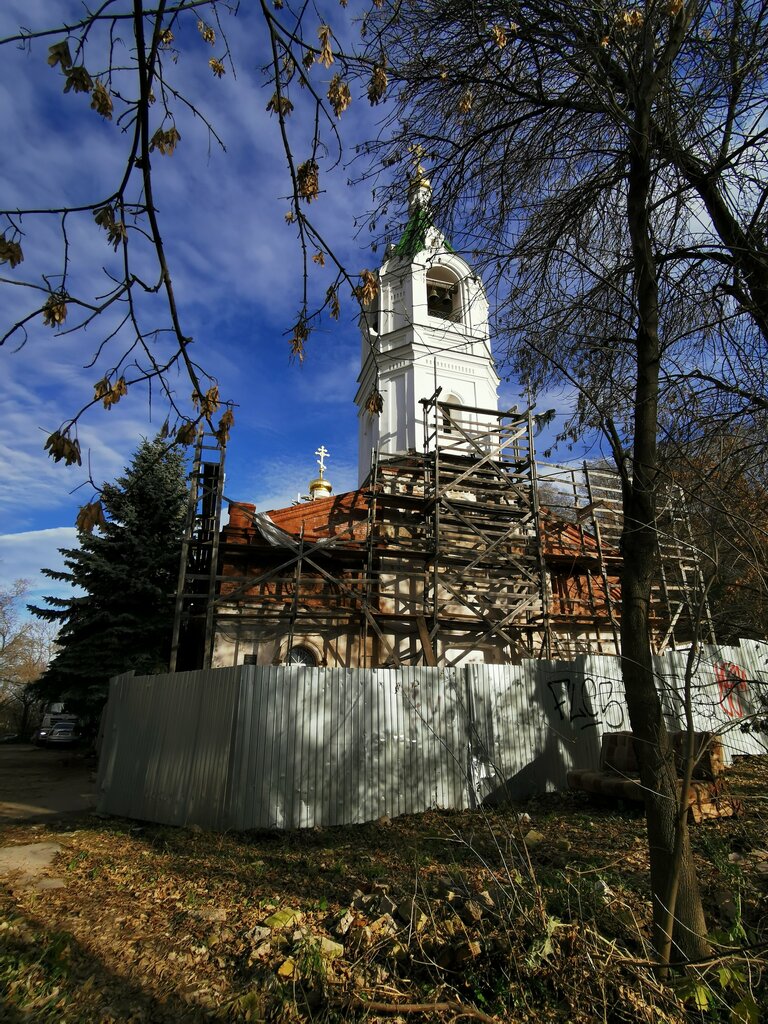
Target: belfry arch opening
point(443, 294)
point(451, 417)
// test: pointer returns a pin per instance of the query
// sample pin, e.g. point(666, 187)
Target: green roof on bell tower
point(414, 236)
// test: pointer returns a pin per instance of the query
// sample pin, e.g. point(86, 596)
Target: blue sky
point(236, 269)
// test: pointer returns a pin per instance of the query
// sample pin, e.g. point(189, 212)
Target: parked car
point(53, 717)
point(59, 734)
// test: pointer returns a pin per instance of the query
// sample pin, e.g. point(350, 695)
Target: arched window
point(301, 655)
point(443, 294)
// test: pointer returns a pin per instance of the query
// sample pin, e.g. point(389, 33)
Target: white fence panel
point(337, 746)
point(166, 747)
point(291, 747)
point(517, 749)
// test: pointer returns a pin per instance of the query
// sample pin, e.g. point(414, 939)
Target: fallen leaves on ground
point(430, 916)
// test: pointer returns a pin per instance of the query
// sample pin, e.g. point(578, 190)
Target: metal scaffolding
point(467, 549)
point(590, 498)
point(194, 614)
point(454, 539)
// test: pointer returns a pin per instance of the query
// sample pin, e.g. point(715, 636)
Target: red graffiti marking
point(731, 680)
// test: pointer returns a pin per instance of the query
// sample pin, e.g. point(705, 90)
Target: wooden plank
point(426, 642)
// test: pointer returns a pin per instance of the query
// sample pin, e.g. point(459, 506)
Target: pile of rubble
point(379, 937)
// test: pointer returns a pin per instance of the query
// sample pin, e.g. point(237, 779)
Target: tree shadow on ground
point(48, 975)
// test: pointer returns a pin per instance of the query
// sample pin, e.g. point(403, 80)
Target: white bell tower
point(426, 329)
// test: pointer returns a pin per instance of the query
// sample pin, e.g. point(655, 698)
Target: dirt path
point(41, 785)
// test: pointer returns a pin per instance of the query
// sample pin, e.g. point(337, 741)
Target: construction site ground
point(533, 913)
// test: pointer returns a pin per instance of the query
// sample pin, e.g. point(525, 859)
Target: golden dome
point(320, 488)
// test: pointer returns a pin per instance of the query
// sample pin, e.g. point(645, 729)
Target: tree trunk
point(657, 763)
point(26, 714)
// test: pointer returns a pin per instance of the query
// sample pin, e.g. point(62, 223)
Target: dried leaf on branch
point(374, 403)
point(206, 32)
point(207, 403)
point(298, 339)
point(308, 180)
point(165, 141)
point(78, 80)
point(90, 515)
point(110, 394)
point(339, 95)
point(55, 309)
point(326, 53)
point(225, 425)
point(10, 252)
point(377, 86)
point(332, 299)
point(369, 289)
point(60, 446)
point(59, 54)
point(279, 104)
point(101, 101)
point(186, 433)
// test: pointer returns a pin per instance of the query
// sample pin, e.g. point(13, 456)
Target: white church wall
point(367, 441)
point(340, 643)
point(265, 642)
point(411, 351)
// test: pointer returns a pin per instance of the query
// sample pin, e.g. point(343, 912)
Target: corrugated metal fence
point(289, 747)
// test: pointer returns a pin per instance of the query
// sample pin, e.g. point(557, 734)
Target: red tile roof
point(342, 515)
point(345, 516)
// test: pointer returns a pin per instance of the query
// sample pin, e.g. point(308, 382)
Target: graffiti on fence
point(592, 702)
point(742, 699)
point(723, 697)
point(705, 702)
point(731, 684)
point(587, 703)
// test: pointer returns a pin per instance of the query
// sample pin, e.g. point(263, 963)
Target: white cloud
point(35, 401)
point(23, 555)
point(332, 382)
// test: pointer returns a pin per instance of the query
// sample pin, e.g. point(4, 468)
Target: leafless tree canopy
point(525, 114)
point(609, 164)
point(25, 649)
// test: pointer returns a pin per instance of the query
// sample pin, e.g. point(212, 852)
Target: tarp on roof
point(280, 538)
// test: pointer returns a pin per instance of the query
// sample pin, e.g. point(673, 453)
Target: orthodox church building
point(457, 547)
point(443, 555)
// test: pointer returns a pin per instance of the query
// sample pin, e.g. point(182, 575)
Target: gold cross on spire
point(324, 454)
point(418, 153)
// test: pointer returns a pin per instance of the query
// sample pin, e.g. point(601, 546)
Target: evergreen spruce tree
point(128, 572)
